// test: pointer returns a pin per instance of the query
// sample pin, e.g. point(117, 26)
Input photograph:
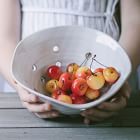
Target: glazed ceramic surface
point(64, 45)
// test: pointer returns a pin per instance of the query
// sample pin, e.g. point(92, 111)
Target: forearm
point(5, 60)
point(9, 34)
point(130, 41)
point(130, 25)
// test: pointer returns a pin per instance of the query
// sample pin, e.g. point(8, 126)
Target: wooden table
point(16, 123)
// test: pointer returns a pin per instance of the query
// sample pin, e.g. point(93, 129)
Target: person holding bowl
point(20, 18)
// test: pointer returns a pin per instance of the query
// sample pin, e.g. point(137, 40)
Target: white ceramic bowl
point(65, 45)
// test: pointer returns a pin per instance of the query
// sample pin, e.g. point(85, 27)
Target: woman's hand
point(34, 105)
point(109, 108)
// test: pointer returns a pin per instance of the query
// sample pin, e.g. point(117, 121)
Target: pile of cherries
point(78, 84)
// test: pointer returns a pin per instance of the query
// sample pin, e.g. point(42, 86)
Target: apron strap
point(110, 10)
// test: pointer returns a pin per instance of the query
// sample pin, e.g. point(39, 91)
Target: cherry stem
point(100, 63)
point(83, 62)
point(93, 59)
point(87, 56)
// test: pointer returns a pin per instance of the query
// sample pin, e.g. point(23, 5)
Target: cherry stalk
point(93, 59)
point(87, 57)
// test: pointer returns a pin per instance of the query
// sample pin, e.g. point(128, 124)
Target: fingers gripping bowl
point(62, 46)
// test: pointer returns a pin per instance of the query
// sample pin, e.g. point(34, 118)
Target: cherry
point(54, 72)
point(65, 81)
point(98, 70)
point(79, 86)
point(58, 92)
point(78, 99)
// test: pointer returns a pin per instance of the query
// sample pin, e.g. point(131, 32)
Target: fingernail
point(33, 98)
point(55, 114)
point(48, 107)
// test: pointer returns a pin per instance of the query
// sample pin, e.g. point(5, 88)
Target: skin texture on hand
point(34, 105)
point(109, 108)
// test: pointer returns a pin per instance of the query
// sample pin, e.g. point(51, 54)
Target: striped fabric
point(39, 14)
point(98, 14)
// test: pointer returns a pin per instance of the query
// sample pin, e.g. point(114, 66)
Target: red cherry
point(54, 72)
point(83, 72)
point(79, 86)
point(78, 99)
point(58, 92)
point(111, 75)
point(65, 98)
point(98, 70)
point(74, 96)
point(65, 81)
point(92, 94)
point(72, 68)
